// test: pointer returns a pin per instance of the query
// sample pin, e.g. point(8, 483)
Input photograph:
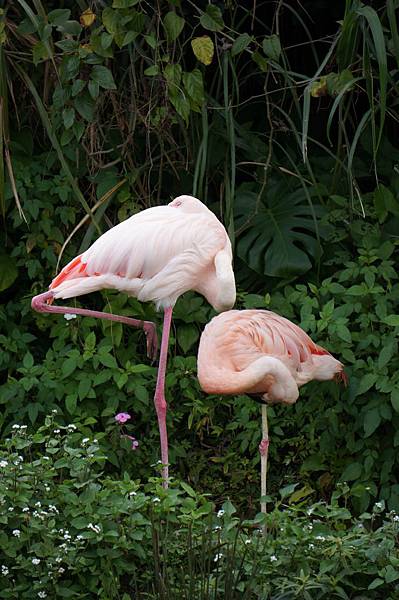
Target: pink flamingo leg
point(39, 303)
point(159, 398)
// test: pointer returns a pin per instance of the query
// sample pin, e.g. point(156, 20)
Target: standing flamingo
point(155, 255)
point(259, 352)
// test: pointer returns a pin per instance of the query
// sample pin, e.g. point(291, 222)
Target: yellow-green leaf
point(203, 49)
point(87, 18)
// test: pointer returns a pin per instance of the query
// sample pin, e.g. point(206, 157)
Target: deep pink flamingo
point(259, 352)
point(156, 255)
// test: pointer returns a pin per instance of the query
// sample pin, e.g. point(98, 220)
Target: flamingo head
point(188, 204)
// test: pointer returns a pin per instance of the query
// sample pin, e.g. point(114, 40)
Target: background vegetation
point(282, 117)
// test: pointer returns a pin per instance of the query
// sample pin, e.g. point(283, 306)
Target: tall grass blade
point(35, 22)
point(380, 50)
point(393, 24)
point(337, 101)
point(56, 145)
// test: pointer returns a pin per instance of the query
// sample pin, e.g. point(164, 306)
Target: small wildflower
point(321, 538)
point(85, 440)
point(42, 594)
point(61, 570)
point(16, 426)
point(247, 541)
point(220, 514)
point(54, 411)
point(396, 518)
point(217, 528)
point(94, 528)
point(122, 417)
point(25, 509)
point(156, 499)
point(379, 505)
point(132, 493)
point(58, 559)
point(45, 458)
point(16, 532)
point(69, 317)
point(4, 570)
point(71, 427)
point(311, 546)
point(35, 561)
point(217, 557)
point(79, 537)
point(56, 431)
point(273, 558)
point(11, 508)
point(3, 463)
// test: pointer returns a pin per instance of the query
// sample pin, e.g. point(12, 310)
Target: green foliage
point(69, 530)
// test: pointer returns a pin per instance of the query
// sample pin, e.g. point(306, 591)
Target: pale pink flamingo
point(259, 352)
point(155, 255)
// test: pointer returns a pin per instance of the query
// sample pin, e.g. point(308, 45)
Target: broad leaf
point(8, 271)
point(280, 229)
point(212, 18)
point(203, 49)
point(173, 25)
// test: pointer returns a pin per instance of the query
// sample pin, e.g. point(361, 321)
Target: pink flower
point(135, 443)
point(122, 417)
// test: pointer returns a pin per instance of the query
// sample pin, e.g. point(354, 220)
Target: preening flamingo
point(259, 352)
point(155, 255)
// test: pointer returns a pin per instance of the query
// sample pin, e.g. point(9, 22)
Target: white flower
point(220, 514)
point(217, 557)
point(156, 499)
point(273, 558)
point(85, 440)
point(16, 426)
point(67, 536)
point(396, 518)
point(321, 538)
point(38, 504)
point(56, 431)
point(248, 541)
point(54, 411)
point(23, 427)
point(311, 546)
point(132, 493)
point(11, 508)
point(4, 570)
point(71, 427)
point(45, 457)
point(53, 508)
point(95, 528)
point(58, 559)
point(16, 532)
point(3, 463)
point(379, 505)
point(217, 528)
point(61, 570)
point(25, 509)
point(79, 537)
point(95, 441)
point(68, 317)
point(35, 561)
point(42, 594)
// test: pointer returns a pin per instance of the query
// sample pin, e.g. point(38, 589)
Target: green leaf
point(367, 382)
point(240, 44)
point(94, 89)
point(59, 16)
point(68, 366)
point(39, 53)
point(151, 71)
point(173, 25)
point(187, 335)
point(375, 583)
point(108, 361)
point(372, 419)
point(33, 411)
point(70, 27)
point(77, 86)
point(386, 354)
point(28, 361)
point(194, 86)
point(103, 76)
point(352, 472)
point(84, 387)
point(392, 320)
point(85, 106)
point(395, 399)
point(68, 117)
point(272, 47)
point(124, 3)
point(212, 18)
point(280, 237)
point(203, 49)
point(261, 61)
point(8, 271)
point(71, 403)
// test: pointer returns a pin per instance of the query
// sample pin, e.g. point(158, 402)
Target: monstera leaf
point(280, 229)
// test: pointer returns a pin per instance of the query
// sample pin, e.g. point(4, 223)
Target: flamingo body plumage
point(156, 255)
point(260, 352)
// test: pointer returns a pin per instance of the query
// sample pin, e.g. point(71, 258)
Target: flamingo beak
point(341, 377)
